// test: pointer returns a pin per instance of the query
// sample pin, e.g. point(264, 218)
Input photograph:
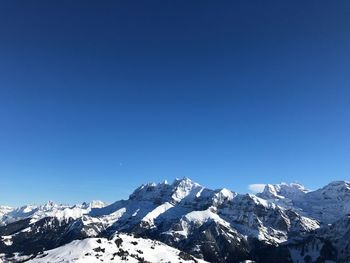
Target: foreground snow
point(119, 249)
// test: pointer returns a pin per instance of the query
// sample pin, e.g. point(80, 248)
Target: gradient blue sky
point(98, 97)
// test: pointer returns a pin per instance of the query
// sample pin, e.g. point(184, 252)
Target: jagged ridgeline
point(186, 222)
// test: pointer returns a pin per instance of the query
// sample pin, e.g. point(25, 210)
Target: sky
point(98, 97)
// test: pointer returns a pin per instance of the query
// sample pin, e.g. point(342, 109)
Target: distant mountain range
point(186, 222)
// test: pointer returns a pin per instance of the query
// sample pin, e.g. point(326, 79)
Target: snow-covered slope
point(121, 248)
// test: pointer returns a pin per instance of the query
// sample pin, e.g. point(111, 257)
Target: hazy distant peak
point(345, 185)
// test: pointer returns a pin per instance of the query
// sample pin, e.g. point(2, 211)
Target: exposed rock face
point(284, 223)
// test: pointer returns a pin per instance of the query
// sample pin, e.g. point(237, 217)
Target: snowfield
point(121, 248)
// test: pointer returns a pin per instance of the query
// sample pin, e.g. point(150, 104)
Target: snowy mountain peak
point(151, 192)
point(164, 192)
point(49, 205)
point(283, 190)
point(184, 181)
point(337, 186)
point(183, 188)
point(97, 204)
point(93, 204)
point(4, 210)
point(337, 191)
point(223, 195)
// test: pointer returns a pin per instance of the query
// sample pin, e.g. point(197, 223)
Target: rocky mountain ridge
point(282, 224)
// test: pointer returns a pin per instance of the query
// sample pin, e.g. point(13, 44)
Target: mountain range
point(186, 222)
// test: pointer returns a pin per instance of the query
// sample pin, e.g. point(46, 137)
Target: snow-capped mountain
point(4, 210)
point(50, 209)
point(278, 225)
point(326, 204)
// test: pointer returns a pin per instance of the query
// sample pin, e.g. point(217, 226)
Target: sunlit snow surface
point(122, 248)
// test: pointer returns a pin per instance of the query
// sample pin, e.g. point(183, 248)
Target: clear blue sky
point(98, 97)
